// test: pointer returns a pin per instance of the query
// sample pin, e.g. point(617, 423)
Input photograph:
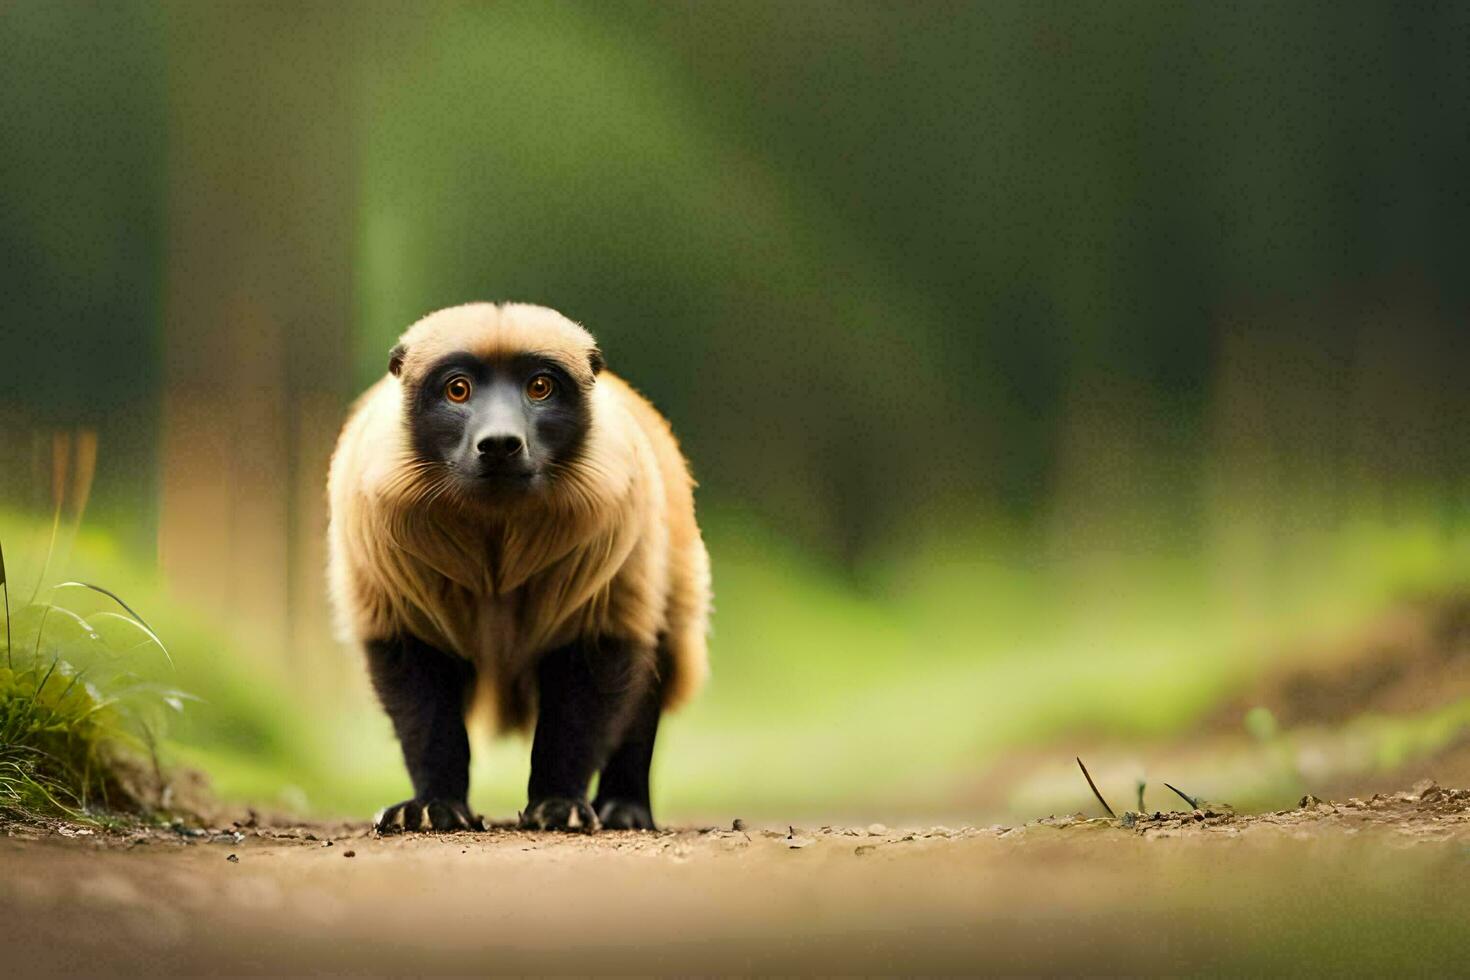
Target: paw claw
point(625, 815)
point(417, 815)
point(557, 813)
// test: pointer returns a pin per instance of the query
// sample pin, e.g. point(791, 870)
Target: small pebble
point(738, 825)
point(349, 854)
point(233, 859)
point(326, 843)
point(876, 830)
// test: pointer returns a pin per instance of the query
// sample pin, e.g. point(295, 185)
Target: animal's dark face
point(500, 426)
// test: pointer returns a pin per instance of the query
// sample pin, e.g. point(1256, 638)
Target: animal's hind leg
point(622, 793)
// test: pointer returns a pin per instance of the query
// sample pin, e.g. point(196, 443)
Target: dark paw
point(558, 813)
point(625, 815)
point(427, 815)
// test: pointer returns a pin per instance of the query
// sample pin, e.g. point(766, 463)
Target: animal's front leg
point(622, 801)
point(587, 692)
point(425, 690)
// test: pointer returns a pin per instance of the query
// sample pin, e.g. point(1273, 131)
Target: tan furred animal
point(495, 499)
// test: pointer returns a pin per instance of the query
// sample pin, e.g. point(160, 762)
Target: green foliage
point(246, 729)
point(878, 260)
point(82, 709)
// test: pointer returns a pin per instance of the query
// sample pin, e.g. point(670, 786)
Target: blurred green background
point(1056, 375)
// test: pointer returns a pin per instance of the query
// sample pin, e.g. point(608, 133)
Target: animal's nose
point(501, 446)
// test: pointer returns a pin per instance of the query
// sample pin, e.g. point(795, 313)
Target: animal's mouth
point(502, 476)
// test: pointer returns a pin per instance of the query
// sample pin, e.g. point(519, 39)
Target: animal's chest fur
point(500, 585)
point(501, 599)
point(499, 594)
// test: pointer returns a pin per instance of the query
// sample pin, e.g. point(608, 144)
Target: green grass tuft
point(81, 713)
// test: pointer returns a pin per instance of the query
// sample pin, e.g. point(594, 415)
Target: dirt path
point(1361, 887)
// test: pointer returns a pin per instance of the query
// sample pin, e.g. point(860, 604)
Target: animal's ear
point(594, 358)
point(395, 359)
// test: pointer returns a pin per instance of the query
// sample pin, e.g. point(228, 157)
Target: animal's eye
point(539, 388)
point(458, 389)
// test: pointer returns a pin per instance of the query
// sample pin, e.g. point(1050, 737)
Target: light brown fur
point(610, 548)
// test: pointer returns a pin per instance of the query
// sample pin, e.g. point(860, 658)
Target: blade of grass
point(41, 628)
point(1088, 776)
point(5, 584)
point(41, 687)
point(130, 610)
point(101, 704)
point(23, 777)
point(148, 638)
point(50, 607)
point(75, 679)
point(33, 704)
point(1192, 801)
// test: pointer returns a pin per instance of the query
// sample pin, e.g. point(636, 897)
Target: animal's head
point(497, 399)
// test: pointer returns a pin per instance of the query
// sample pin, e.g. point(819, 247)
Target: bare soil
point(1359, 886)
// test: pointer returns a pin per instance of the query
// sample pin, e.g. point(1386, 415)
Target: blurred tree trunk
point(258, 305)
point(81, 212)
